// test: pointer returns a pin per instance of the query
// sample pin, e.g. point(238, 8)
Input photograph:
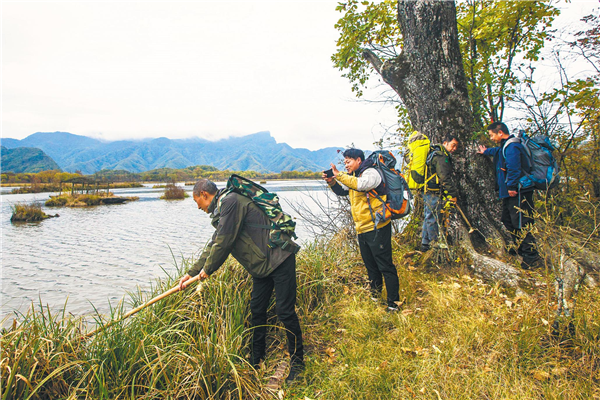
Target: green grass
point(455, 338)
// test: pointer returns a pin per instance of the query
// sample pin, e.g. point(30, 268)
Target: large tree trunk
point(429, 78)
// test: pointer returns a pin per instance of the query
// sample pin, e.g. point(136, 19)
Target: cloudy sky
point(121, 70)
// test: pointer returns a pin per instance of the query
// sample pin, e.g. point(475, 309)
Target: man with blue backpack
point(512, 165)
point(364, 185)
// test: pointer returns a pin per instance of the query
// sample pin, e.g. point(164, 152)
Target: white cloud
point(178, 69)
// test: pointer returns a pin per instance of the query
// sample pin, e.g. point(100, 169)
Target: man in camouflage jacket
point(240, 231)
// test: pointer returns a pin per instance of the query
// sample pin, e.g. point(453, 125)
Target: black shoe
point(425, 247)
point(296, 369)
point(512, 251)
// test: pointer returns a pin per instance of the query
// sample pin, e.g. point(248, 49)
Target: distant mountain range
point(258, 152)
point(26, 159)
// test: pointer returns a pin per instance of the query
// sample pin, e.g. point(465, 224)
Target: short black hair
point(354, 154)
point(498, 127)
point(204, 185)
point(450, 137)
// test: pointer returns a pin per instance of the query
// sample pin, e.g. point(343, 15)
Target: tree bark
point(429, 78)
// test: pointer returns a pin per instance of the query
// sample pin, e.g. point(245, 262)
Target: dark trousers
point(283, 280)
point(376, 252)
point(514, 220)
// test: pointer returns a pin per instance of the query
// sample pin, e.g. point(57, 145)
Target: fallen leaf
point(407, 312)
point(455, 285)
point(412, 268)
point(508, 303)
point(341, 330)
point(346, 290)
point(330, 351)
point(545, 322)
point(399, 303)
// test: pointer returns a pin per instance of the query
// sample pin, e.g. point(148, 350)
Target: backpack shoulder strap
point(509, 141)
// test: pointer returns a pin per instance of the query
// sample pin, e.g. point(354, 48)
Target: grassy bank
point(455, 338)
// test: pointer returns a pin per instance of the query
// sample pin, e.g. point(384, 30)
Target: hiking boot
point(296, 370)
point(425, 247)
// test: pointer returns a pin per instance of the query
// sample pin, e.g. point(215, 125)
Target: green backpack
point(283, 227)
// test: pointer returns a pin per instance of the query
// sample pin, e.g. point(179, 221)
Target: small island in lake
point(29, 213)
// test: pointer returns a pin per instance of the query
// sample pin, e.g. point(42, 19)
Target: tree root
point(489, 268)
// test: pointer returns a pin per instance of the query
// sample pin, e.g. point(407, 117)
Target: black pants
point(376, 252)
point(514, 220)
point(283, 280)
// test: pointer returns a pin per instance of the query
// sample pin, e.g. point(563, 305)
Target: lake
point(95, 255)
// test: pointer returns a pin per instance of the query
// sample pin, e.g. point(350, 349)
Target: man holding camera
point(375, 242)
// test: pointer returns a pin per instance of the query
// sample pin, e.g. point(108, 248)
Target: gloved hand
point(450, 203)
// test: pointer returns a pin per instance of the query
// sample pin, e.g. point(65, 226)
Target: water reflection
point(96, 255)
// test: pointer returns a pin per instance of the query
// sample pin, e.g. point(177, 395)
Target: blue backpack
point(542, 171)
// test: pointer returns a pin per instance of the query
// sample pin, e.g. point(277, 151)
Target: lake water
point(95, 255)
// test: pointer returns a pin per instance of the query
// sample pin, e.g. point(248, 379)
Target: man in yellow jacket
point(375, 242)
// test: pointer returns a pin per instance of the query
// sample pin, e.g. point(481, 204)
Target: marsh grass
point(84, 200)
point(455, 337)
point(22, 212)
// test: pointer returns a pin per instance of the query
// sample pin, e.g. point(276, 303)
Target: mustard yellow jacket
point(358, 187)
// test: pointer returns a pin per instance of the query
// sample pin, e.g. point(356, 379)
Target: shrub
point(174, 192)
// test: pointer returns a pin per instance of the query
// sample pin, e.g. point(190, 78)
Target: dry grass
point(27, 213)
point(454, 338)
point(174, 192)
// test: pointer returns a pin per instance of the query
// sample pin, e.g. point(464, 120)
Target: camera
point(329, 173)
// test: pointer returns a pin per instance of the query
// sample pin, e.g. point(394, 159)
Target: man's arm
point(513, 167)
point(369, 180)
point(199, 264)
point(230, 223)
point(491, 151)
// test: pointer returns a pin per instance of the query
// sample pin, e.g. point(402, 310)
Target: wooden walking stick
point(471, 229)
point(169, 292)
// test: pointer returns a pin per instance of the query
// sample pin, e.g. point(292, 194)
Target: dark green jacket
point(439, 165)
point(234, 217)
